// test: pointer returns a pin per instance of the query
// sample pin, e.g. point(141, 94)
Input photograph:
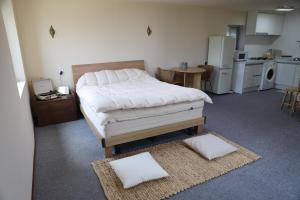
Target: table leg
point(197, 81)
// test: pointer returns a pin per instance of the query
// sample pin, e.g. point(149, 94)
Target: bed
point(121, 103)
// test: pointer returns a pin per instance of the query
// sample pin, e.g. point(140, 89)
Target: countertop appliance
point(268, 75)
point(275, 53)
point(296, 59)
point(240, 56)
point(258, 60)
point(220, 55)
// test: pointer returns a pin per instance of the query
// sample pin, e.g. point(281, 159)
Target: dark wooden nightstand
point(62, 109)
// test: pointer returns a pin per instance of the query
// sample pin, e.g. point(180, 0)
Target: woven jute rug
point(185, 167)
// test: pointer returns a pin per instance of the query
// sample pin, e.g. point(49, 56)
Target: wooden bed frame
point(109, 143)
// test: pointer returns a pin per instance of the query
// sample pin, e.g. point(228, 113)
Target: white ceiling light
point(285, 8)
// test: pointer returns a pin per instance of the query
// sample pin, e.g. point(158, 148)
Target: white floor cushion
point(137, 169)
point(210, 146)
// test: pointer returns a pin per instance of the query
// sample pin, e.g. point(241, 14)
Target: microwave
point(240, 55)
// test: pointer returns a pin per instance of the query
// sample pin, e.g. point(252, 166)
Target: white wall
point(90, 31)
point(16, 131)
point(291, 33)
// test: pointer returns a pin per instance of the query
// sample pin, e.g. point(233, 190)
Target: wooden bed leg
point(117, 150)
point(198, 129)
point(152, 139)
point(108, 152)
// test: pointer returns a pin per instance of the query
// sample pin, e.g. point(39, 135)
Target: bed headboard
point(79, 70)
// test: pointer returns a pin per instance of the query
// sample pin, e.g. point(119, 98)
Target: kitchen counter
point(287, 61)
point(287, 74)
point(257, 62)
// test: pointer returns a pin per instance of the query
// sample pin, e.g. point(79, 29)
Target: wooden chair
point(290, 98)
point(206, 76)
point(168, 76)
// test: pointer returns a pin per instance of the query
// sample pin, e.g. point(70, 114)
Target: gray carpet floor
point(64, 153)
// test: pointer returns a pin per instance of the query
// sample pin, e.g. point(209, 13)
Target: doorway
point(237, 33)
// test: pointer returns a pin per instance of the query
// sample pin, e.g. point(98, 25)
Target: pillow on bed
point(115, 76)
point(210, 146)
point(137, 169)
point(90, 78)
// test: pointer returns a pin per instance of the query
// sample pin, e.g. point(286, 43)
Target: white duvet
point(110, 90)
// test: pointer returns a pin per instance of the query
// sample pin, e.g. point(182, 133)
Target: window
point(7, 12)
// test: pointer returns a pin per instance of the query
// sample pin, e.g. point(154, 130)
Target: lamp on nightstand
point(64, 90)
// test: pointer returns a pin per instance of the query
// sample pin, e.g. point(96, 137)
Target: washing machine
point(268, 75)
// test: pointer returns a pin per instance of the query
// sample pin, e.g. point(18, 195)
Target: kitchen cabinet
point(252, 76)
point(297, 76)
point(264, 23)
point(246, 77)
point(287, 75)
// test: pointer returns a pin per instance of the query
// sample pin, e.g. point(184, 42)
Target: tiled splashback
point(257, 45)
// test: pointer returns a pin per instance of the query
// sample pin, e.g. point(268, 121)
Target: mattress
point(113, 90)
point(117, 102)
point(126, 121)
point(130, 114)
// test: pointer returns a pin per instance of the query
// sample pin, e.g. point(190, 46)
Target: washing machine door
point(268, 77)
point(270, 74)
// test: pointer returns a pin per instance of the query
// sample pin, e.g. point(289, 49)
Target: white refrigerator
point(220, 55)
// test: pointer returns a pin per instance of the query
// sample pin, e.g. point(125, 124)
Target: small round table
point(195, 72)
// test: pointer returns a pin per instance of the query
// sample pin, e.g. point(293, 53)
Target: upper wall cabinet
point(264, 24)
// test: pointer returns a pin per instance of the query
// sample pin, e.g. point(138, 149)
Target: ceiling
point(234, 4)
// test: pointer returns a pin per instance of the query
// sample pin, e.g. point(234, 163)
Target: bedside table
point(62, 109)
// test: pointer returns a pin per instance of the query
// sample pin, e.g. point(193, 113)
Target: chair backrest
point(209, 70)
point(166, 75)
